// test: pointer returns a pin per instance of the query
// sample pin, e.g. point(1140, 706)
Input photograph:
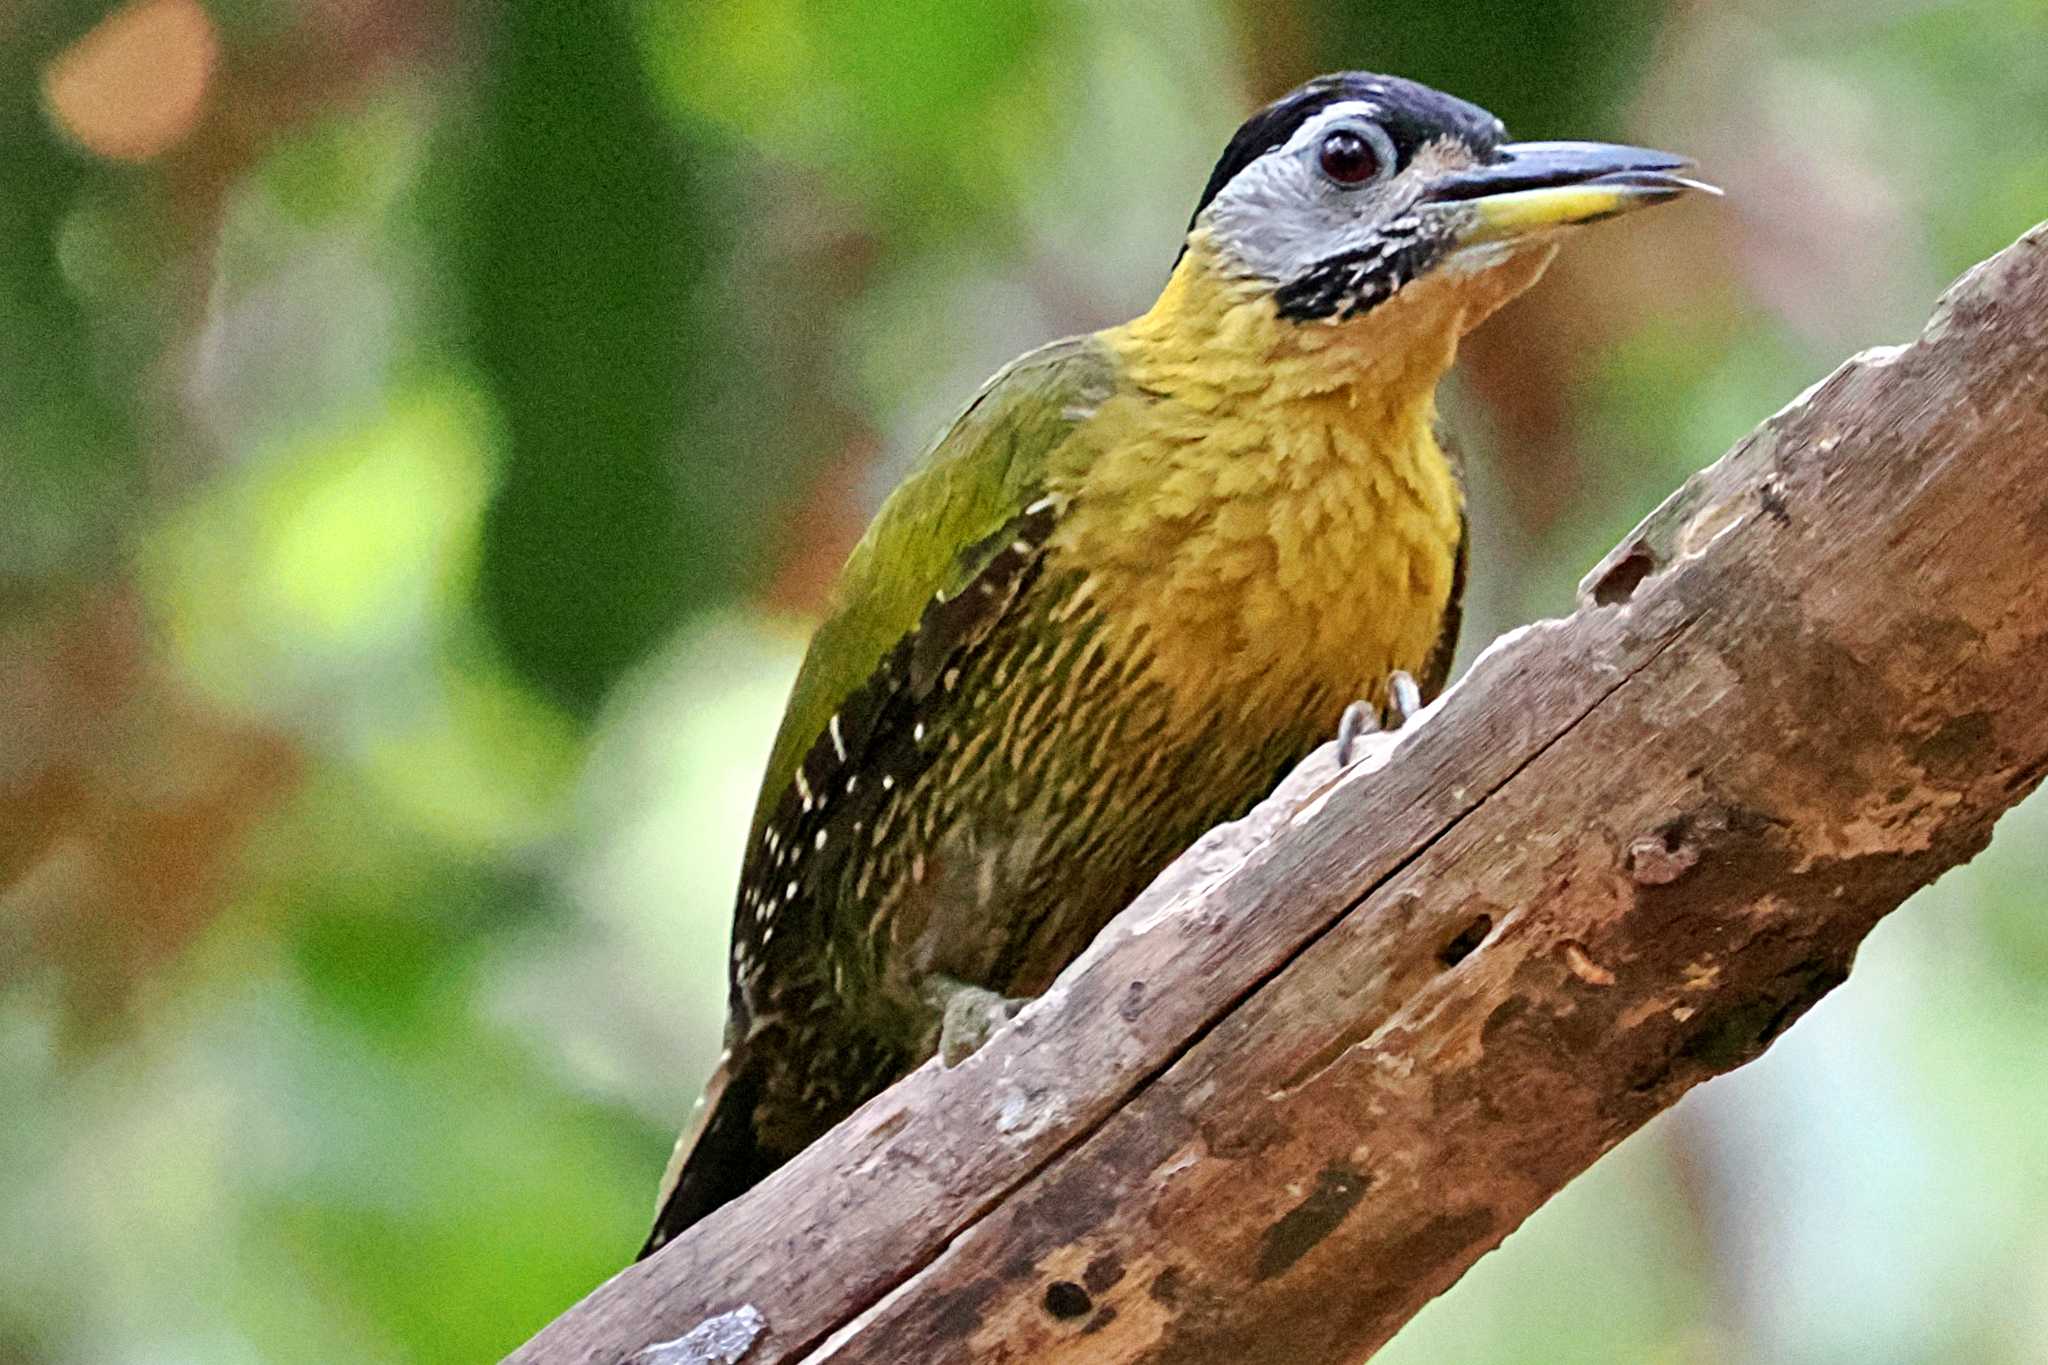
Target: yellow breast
point(1264, 505)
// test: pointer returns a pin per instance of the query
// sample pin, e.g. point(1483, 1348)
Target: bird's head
point(1354, 188)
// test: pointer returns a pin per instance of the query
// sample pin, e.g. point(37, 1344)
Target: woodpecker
point(1142, 575)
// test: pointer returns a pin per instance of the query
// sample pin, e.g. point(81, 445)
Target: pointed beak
point(1536, 187)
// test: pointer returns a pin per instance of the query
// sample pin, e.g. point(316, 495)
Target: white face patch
point(1279, 215)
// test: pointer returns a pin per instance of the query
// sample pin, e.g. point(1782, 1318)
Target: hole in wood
point(1064, 1299)
point(1470, 937)
point(1619, 583)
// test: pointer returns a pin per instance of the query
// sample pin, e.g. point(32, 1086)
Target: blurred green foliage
point(589, 236)
point(1556, 64)
point(419, 452)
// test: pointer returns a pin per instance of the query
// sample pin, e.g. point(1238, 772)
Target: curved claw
point(1359, 719)
point(1404, 699)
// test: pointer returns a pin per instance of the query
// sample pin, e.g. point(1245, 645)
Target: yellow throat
point(1268, 502)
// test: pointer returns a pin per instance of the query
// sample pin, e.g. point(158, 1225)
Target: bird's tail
point(717, 1159)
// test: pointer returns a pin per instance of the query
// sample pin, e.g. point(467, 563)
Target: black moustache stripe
point(1358, 281)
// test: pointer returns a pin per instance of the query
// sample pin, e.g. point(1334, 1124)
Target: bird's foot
point(1404, 699)
point(969, 1016)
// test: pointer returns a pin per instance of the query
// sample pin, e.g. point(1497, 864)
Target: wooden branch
point(1345, 1046)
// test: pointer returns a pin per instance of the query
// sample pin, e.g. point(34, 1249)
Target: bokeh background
point(425, 426)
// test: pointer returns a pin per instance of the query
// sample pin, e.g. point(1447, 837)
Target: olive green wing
point(939, 560)
point(945, 557)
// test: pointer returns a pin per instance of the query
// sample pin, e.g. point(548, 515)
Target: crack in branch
point(820, 1348)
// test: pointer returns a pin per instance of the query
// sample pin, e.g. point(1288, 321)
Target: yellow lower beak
point(1520, 213)
point(1537, 187)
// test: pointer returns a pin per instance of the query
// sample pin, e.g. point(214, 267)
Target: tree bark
point(1346, 1045)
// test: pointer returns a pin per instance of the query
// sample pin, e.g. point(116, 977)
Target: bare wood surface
point(1345, 1046)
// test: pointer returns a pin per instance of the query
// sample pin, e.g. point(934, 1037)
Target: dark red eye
point(1348, 158)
